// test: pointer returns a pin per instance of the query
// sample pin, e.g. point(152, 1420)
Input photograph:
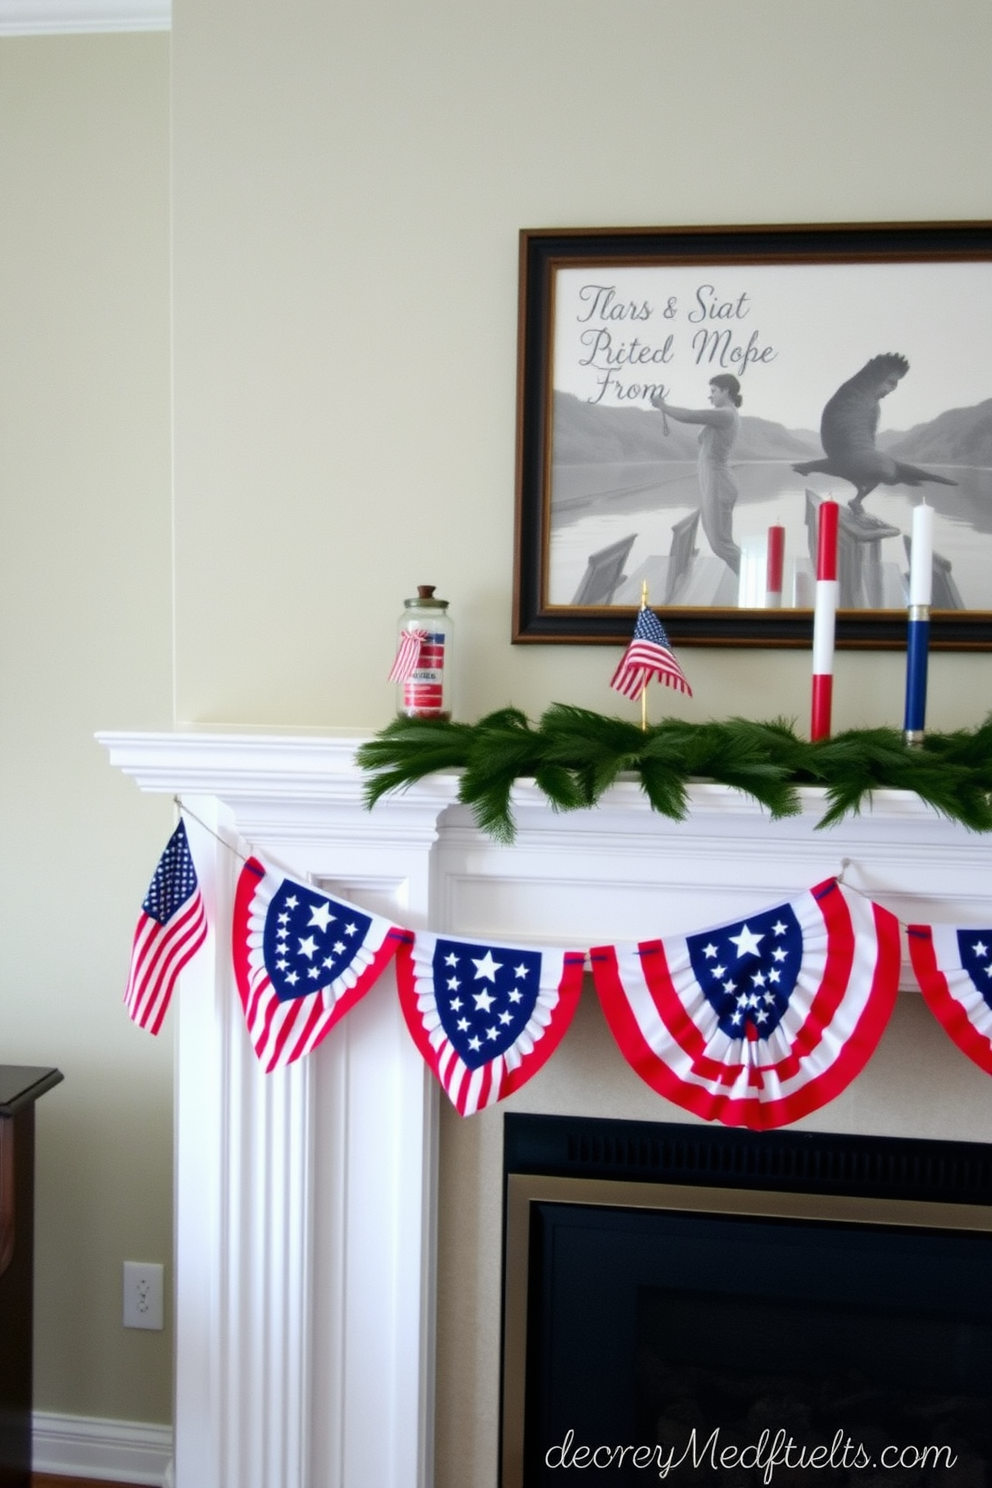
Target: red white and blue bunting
point(953, 966)
point(753, 1023)
point(485, 1017)
point(760, 1021)
point(301, 960)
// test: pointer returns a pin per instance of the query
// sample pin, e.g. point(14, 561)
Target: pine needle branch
point(504, 750)
point(410, 748)
point(574, 755)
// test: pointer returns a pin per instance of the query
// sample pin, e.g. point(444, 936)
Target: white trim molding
point(72, 17)
point(104, 1451)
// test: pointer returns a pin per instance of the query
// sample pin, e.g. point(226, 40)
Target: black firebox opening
point(744, 1350)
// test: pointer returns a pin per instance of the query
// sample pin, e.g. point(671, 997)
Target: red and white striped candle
point(824, 621)
point(775, 568)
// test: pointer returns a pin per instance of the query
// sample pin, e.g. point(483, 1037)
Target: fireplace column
point(305, 1199)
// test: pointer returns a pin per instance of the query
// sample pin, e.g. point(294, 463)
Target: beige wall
point(85, 643)
point(349, 181)
point(349, 184)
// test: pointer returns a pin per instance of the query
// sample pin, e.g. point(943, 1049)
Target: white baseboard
point(108, 1451)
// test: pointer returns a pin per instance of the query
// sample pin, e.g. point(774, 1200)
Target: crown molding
point(71, 17)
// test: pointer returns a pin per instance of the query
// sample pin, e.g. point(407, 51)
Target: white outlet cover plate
point(143, 1295)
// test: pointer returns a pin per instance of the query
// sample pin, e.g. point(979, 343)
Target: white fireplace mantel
point(306, 1199)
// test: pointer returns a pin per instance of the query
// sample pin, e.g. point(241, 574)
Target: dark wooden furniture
point(20, 1087)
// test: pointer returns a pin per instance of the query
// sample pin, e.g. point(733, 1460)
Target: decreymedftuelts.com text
point(771, 1450)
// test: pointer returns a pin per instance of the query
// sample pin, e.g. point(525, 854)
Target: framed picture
point(688, 397)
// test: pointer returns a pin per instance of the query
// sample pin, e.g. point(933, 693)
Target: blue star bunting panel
point(301, 960)
point(954, 969)
point(485, 1017)
point(757, 1022)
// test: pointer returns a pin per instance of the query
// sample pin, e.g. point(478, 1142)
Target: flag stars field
point(312, 924)
point(977, 961)
point(741, 972)
point(492, 1015)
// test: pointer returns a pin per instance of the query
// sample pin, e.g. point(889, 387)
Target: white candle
point(921, 566)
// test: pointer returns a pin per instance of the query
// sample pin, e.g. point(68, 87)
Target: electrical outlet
point(143, 1299)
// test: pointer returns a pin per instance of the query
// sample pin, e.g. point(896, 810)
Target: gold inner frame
point(524, 1189)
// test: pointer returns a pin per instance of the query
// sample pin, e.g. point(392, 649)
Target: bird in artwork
point(848, 428)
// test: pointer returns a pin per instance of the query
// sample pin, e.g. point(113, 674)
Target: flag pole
point(644, 685)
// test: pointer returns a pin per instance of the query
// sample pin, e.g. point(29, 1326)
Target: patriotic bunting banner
point(954, 969)
point(757, 1022)
point(170, 930)
point(752, 1023)
point(301, 960)
point(485, 1017)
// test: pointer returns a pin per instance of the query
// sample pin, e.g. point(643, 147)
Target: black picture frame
point(790, 265)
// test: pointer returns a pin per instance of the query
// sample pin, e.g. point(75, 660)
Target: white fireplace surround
point(306, 1199)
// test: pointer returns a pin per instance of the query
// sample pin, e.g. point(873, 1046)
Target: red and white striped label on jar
point(423, 690)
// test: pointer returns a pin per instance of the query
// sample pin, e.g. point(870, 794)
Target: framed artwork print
point(688, 397)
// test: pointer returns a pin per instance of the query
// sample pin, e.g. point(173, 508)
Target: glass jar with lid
point(422, 670)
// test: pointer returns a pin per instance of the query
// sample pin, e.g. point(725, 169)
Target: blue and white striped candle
point(918, 629)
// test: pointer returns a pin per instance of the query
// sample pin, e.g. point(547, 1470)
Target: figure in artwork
point(717, 487)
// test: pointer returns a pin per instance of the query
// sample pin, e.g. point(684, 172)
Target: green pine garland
point(575, 755)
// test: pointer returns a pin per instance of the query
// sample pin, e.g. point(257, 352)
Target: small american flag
point(648, 655)
point(172, 928)
point(407, 656)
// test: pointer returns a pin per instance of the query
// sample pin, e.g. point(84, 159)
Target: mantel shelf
point(315, 766)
